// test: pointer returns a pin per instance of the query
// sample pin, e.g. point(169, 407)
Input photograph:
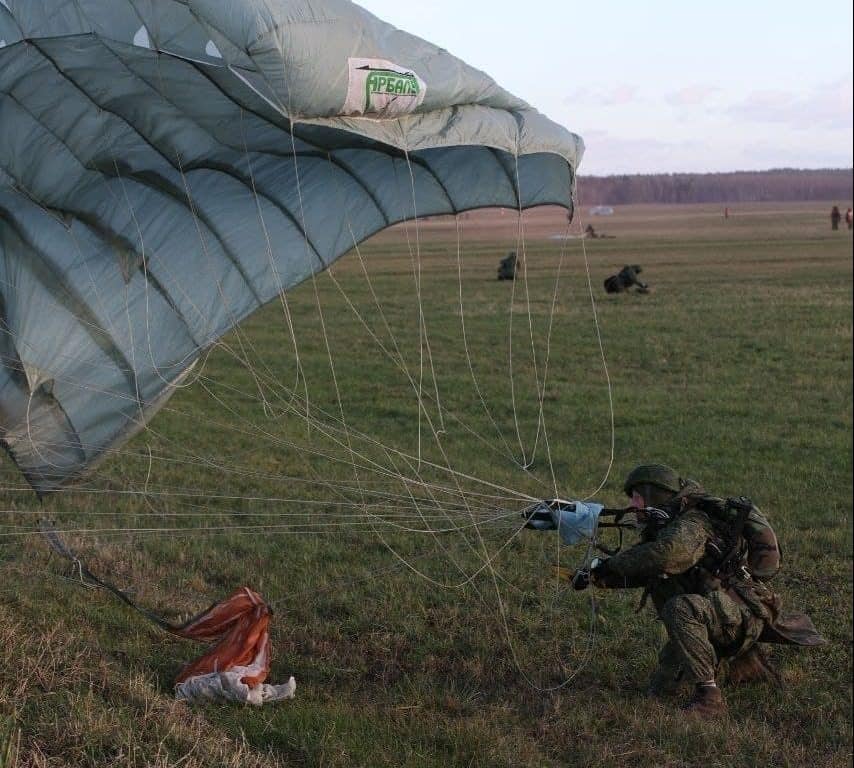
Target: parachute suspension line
point(277, 441)
point(525, 283)
point(540, 388)
point(244, 359)
point(144, 263)
point(318, 303)
point(219, 466)
point(541, 395)
point(523, 462)
point(340, 404)
point(397, 358)
point(601, 344)
point(283, 300)
point(425, 338)
point(387, 498)
point(283, 527)
point(469, 362)
point(541, 415)
point(424, 341)
point(422, 331)
point(205, 462)
point(326, 341)
point(238, 334)
point(435, 537)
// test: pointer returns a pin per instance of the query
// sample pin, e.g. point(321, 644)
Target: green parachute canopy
point(168, 167)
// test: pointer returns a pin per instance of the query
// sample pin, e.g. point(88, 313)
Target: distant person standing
point(849, 218)
point(835, 216)
point(726, 213)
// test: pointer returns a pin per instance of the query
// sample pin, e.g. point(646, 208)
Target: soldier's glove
point(581, 579)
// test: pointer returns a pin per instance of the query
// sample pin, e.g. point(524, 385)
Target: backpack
point(746, 539)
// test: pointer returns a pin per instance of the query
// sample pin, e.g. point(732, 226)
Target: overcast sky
point(664, 86)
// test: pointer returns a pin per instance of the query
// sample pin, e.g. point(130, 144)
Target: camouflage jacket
point(666, 562)
point(681, 558)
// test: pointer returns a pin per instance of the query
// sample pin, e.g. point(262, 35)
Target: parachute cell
point(167, 168)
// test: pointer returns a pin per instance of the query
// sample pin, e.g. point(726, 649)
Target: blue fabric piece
point(576, 521)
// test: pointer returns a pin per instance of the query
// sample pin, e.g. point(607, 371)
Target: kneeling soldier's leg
point(668, 678)
point(691, 624)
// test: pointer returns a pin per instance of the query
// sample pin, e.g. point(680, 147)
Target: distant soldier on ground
point(590, 232)
point(849, 218)
point(704, 561)
point(835, 217)
point(626, 279)
point(507, 267)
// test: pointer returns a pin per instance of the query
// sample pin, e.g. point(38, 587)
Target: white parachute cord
point(466, 343)
point(256, 432)
point(400, 362)
point(425, 340)
point(541, 414)
point(234, 320)
point(576, 209)
point(523, 463)
point(398, 358)
point(244, 361)
point(524, 252)
point(286, 312)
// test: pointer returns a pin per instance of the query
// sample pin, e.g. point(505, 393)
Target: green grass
point(737, 370)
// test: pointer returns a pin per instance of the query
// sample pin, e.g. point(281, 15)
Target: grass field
point(327, 493)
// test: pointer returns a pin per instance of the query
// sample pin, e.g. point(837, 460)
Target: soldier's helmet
point(659, 475)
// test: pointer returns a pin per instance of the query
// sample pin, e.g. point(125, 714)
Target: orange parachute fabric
point(237, 665)
point(239, 627)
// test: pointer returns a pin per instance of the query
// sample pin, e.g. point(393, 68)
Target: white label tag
point(382, 88)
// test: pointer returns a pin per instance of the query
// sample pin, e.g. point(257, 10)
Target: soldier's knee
point(682, 608)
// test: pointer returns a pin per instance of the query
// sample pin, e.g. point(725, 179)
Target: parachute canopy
point(168, 167)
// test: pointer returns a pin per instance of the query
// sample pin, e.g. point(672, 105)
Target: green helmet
point(658, 475)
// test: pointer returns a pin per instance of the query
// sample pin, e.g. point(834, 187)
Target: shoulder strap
point(742, 506)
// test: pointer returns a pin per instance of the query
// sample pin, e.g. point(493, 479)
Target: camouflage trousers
point(701, 631)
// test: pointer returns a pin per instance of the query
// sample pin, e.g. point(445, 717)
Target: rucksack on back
point(764, 557)
point(749, 537)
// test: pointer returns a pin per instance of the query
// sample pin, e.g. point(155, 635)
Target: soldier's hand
point(581, 579)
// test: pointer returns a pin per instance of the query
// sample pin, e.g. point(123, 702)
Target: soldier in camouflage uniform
point(704, 564)
point(625, 279)
point(507, 267)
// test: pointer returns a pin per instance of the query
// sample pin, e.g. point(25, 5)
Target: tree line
point(779, 185)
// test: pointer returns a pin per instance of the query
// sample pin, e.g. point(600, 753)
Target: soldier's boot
point(707, 701)
point(752, 667)
point(665, 684)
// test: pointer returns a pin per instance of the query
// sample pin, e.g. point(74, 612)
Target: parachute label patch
point(381, 88)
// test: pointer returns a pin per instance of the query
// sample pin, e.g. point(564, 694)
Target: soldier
point(835, 217)
point(507, 267)
point(704, 562)
point(625, 279)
